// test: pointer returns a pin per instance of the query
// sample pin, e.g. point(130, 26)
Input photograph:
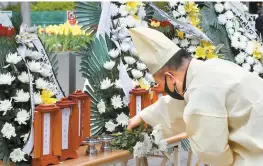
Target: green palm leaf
point(88, 15)
point(216, 32)
point(93, 57)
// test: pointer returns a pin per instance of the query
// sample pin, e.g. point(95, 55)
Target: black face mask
point(174, 94)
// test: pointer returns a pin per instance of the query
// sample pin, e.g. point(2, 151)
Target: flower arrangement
point(186, 12)
point(247, 47)
point(141, 141)
point(23, 66)
point(6, 31)
point(64, 37)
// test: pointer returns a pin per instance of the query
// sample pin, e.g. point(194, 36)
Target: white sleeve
point(168, 112)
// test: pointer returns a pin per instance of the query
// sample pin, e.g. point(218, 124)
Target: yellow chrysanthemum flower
point(195, 21)
point(46, 97)
point(143, 85)
point(133, 6)
point(200, 52)
point(180, 34)
point(211, 55)
point(257, 54)
point(191, 7)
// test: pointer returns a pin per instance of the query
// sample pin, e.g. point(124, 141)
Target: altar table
point(102, 159)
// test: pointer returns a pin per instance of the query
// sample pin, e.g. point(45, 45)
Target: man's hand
point(134, 122)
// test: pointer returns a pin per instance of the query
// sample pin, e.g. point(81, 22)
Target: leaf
point(88, 15)
point(218, 47)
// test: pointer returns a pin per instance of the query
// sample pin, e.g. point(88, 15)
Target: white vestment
point(222, 114)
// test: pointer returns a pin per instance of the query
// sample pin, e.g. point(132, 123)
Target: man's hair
point(178, 59)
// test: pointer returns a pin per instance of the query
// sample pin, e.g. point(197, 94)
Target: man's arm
point(166, 111)
point(206, 121)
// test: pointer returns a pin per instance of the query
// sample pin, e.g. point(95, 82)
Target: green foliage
point(44, 6)
point(88, 15)
point(128, 139)
point(92, 59)
point(215, 32)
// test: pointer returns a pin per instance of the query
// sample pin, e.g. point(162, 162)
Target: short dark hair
point(178, 59)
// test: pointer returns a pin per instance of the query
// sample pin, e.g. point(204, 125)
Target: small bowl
point(91, 142)
point(106, 141)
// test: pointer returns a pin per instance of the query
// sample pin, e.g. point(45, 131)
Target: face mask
point(173, 94)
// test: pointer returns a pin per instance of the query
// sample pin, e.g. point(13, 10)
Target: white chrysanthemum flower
point(128, 21)
point(241, 29)
point(5, 105)
point(21, 96)
point(195, 42)
point(133, 50)
point(246, 66)
point(258, 68)
point(123, 33)
point(122, 119)
point(173, 3)
point(139, 150)
point(219, 8)
point(125, 101)
point(243, 39)
point(135, 83)
point(13, 58)
point(34, 66)
point(116, 101)
point(23, 77)
point(106, 83)
point(245, 8)
point(157, 133)
point(123, 11)
point(184, 43)
point(141, 12)
point(250, 60)
point(127, 40)
point(147, 143)
point(37, 98)
point(114, 53)
point(114, 9)
point(222, 19)
point(250, 47)
point(136, 73)
point(181, 10)
point(149, 77)
point(231, 31)
point(229, 24)
point(110, 126)
point(141, 66)
point(25, 137)
point(6, 79)
point(129, 60)
point(240, 58)
point(46, 72)
point(35, 55)
point(242, 45)
point(101, 107)
point(125, 46)
point(17, 155)
point(229, 15)
point(109, 65)
point(176, 14)
point(227, 5)
point(22, 116)
point(8, 130)
point(118, 84)
point(162, 146)
point(41, 83)
point(191, 49)
point(175, 40)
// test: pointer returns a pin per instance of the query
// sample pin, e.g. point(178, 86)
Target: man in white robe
point(217, 103)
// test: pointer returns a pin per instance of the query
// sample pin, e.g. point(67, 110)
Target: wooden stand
point(83, 101)
point(157, 93)
point(69, 113)
point(139, 99)
point(47, 135)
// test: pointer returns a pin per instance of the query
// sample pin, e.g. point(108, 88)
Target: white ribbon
point(138, 104)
